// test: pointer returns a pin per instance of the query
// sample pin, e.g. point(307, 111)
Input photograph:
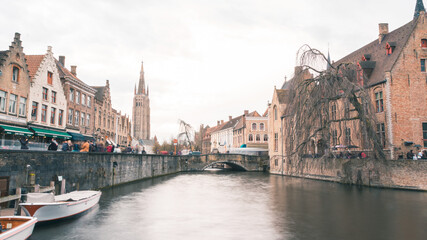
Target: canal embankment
point(80, 171)
point(397, 174)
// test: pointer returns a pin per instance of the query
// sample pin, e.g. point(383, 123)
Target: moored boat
point(16, 227)
point(47, 207)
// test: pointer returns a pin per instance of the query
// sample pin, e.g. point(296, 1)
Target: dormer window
point(49, 78)
point(390, 47)
point(366, 57)
point(423, 43)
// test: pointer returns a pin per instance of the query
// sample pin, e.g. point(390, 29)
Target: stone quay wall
point(399, 174)
point(83, 171)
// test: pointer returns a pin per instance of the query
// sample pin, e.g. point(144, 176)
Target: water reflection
point(246, 206)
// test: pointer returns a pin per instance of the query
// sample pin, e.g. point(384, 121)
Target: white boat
point(16, 227)
point(47, 207)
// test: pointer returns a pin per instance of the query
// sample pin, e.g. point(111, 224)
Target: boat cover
point(40, 198)
point(75, 196)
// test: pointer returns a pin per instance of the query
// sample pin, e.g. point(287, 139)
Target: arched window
point(251, 138)
point(265, 138)
point(275, 112)
point(15, 74)
point(261, 126)
point(253, 126)
point(258, 138)
point(424, 43)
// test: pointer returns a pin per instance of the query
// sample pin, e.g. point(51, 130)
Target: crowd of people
point(82, 146)
point(416, 156)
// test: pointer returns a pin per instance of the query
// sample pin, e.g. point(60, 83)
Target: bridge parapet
point(246, 162)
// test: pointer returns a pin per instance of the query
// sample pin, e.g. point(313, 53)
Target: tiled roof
point(230, 124)
point(282, 96)
point(33, 62)
point(64, 72)
point(99, 93)
point(265, 113)
point(384, 63)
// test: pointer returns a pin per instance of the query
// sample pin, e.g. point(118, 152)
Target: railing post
point(17, 201)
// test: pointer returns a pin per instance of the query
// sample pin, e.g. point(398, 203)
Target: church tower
point(141, 109)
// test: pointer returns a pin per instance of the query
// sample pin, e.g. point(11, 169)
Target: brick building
point(394, 67)
point(80, 107)
point(14, 93)
point(141, 110)
point(105, 116)
point(252, 130)
point(47, 99)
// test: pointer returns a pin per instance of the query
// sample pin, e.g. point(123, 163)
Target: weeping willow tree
point(328, 107)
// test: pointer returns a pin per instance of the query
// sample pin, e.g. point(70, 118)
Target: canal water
point(242, 205)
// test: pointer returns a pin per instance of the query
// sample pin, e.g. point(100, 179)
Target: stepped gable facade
point(14, 85)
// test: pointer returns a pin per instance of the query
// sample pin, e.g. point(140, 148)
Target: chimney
point(62, 60)
point(222, 122)
point(17, 36)
point(73, 70)
point(229, 118)
point(383, 31)
point(298, 70)
point(246, 112)
point(217, 123)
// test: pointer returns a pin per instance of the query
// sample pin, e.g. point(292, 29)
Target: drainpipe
point(281, 132)
point(389, 113)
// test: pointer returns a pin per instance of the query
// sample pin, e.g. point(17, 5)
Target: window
point(87, 119)
point(34, 110)
point(425, 134)
point(70, 116)
point(60, 117)
point(265, 138)
point(347, 112)
point(3, 95)
point(83, 119)
point(76, 118)
point(71, 95)
point(77, 97)
point(45, 94)
point(89, 101)
point(251, 138)
point(276, 142)
point(52, 115)
point(22, 106)
point(258, 138)
point(389, 49)
point(381, 133)
point(424, 43)
point(49, 78)
point(423, 65)
point(99, 119)
point(253, 126)
point(12, 103)
point(15, 74)
point(334, 112)
point(347, 136)
point(44, 113)
point(334, 137)
point(261, 126)
point(83, 99)
point(53, 97)
point(379, 101)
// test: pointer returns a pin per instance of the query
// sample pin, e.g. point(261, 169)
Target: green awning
point(50, 133)
point(16, 130)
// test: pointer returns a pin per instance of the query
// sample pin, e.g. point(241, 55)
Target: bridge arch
point(233, 164)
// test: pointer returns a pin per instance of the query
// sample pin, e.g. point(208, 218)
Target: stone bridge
point(235, 161)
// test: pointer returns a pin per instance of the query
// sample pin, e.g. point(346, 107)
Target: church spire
point(419, 8)
point(141, 85)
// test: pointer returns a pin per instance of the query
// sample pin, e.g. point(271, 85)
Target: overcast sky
point(204, 60)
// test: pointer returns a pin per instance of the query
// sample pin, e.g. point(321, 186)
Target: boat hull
point(59, 210)
point(21, 232)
